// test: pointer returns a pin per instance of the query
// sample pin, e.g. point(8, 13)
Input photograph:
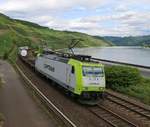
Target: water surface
point(133, 55)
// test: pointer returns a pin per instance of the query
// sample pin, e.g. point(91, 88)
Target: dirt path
point(17, 106)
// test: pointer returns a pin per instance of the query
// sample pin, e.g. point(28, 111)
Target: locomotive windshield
point(91, 71)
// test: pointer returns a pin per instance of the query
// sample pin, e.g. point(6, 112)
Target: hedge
point(121, 76)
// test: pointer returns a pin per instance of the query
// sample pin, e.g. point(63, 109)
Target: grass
point(1, 81)
point(121, 76)
point(140, 91)
point(21, 33)
point(1, 116)
point(129, 81)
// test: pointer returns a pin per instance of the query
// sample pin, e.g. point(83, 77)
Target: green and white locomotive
point(77, 74)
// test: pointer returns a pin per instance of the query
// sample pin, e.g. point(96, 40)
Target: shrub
point(1, 119)
point(0, 81)
point(5, 56)
point(121, 76)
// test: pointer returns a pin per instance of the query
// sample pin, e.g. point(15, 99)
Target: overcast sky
point(95, 17)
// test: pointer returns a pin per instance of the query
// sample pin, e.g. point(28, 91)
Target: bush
point(5, 56)
point(1, 81)
point(1, 117)
point(121, 76)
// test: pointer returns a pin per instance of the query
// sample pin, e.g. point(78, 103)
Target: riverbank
point(140, 91)
point(129, 81)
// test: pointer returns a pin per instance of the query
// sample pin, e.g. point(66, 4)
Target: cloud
point(99, 17)
point(121, 8)
point(34, 5)
point(127, 24)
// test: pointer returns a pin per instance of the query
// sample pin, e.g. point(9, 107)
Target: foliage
point(0, 81)
point(140, 91)
point(21, 33)
point(121, 76)
point(128, 80)
point(105, 39)
point(129, 41)
point(1, 117)
point(5, 56)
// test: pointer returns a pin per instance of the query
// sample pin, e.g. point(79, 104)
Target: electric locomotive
point(79, 75)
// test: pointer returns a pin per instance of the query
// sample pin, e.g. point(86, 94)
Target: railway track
point(138, 111)
point(115, 120)
point(50, 106)
point(103, 123)
point(110, 117)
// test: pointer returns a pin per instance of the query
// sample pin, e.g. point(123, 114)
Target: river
point(133, 55)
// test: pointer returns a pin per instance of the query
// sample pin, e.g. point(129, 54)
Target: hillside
point(16, 32)
point(129, 41)
point(105, 39)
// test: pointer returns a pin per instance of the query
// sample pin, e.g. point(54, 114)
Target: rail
point(129, 105)
point(46, 101)
point(110, 117)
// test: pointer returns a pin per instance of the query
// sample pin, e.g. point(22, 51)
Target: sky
point(94, 17)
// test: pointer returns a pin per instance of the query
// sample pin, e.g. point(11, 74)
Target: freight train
point(78, 75)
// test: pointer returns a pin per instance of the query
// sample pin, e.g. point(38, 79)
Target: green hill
point(14, 33)
point(129, 41)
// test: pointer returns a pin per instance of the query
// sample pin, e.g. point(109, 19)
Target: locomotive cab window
point(72, 70)
point(92, 71)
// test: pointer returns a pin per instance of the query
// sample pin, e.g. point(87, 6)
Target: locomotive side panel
point(57, 71)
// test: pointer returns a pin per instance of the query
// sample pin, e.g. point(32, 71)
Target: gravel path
point(16, 104)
